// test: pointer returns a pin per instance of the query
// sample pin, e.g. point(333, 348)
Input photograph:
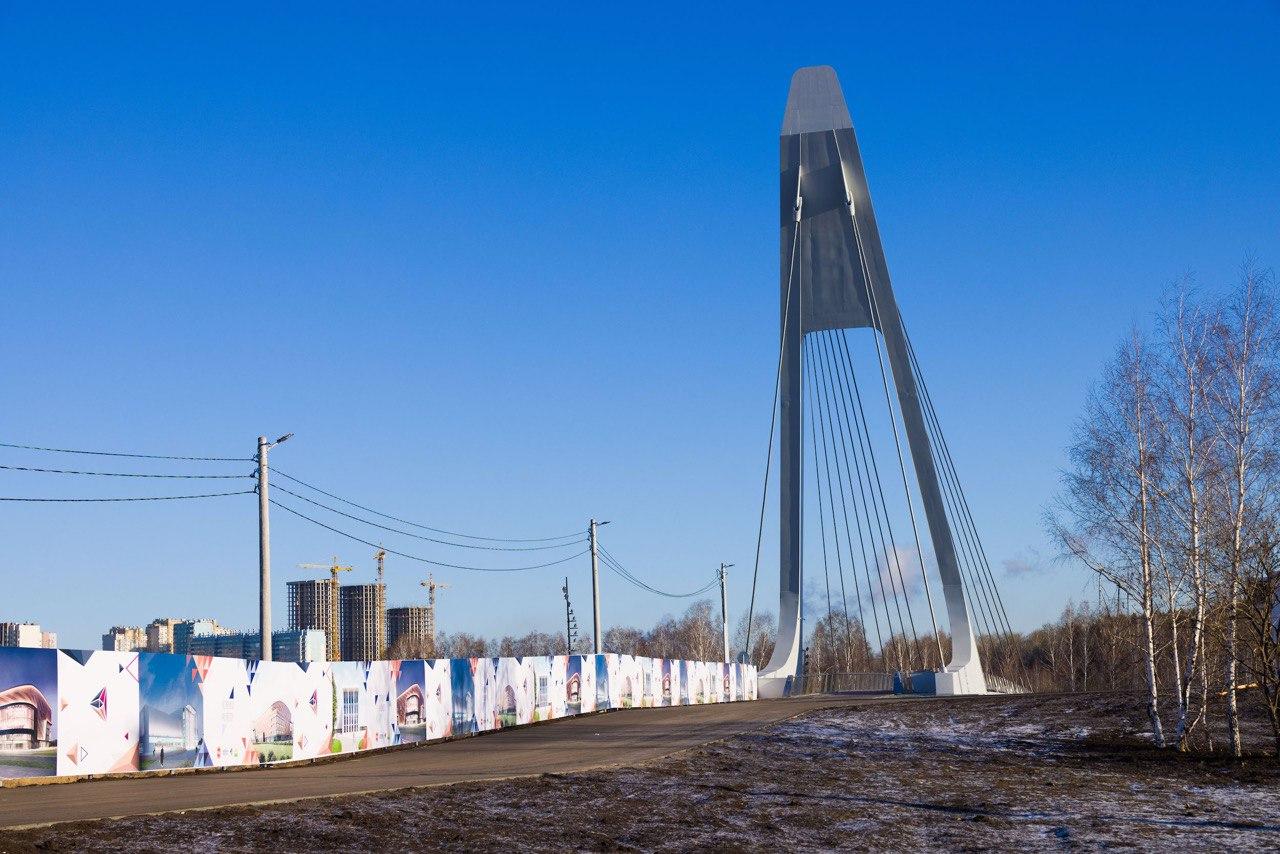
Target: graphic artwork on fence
point(80, 713)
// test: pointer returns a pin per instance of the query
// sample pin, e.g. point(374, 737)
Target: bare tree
point(1107, 516)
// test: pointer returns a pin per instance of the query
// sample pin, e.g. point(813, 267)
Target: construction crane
point(332, 637)
point(432, 586)
point(380, 629)
point(381, 558)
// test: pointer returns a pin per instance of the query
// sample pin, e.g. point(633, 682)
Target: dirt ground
point(978, 773)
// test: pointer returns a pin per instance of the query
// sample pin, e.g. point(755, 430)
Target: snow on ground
point(979, 773)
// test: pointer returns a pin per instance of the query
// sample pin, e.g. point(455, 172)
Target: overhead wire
point(128, 474)
point(137, 498)
point(617, 567)
point(581, 539)
point(419, 558)
point(419, 525)
point(122, 454)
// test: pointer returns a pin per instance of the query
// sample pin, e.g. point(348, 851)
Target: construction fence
point(72, 712)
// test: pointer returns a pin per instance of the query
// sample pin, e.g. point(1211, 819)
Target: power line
point(419, 525)
point(616, 565)
point(418, 558)
point(121, 454)
point(128, 474)
point(142, 498)
point(322, 506)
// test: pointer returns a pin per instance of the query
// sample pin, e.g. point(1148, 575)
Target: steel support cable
point(950, 468)
point(967, 516)
point(862, 468)
point(968, 527)
point(777, 386)
point(128, 474)
point(823, 420)
point(876, 488)
point(817, 479)
point(420, 559)
point(120, 454)
point(876, 325)
point(140, 498)
point(322, 506)
point(349, 503)
point(831, 415)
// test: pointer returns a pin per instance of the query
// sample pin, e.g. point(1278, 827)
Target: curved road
point(623, 737)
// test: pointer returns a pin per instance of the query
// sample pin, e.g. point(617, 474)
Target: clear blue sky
point(506, 271)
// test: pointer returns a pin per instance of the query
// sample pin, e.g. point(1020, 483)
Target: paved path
point(573, 744)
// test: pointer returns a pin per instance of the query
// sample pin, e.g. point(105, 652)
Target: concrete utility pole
point(264, 546)
point(595, 587)
point(724, 607)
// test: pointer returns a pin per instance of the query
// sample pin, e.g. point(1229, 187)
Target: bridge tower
point(834, 276)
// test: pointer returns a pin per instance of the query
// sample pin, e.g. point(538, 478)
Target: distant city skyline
point(504, 280)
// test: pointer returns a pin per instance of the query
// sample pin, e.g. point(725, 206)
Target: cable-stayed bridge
point(868, 490)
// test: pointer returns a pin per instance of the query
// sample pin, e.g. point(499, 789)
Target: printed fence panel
point(85, 712)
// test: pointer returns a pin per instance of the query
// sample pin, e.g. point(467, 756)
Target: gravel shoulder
point(973, 773)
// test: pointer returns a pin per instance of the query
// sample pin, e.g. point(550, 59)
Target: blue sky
point(502, 272)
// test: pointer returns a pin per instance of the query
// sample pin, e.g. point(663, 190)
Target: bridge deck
point(573, 744)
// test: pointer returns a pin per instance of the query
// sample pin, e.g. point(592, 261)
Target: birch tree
point(1107, 516)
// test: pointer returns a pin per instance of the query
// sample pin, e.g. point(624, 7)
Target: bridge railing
point(848, 683)
point(1000, 685)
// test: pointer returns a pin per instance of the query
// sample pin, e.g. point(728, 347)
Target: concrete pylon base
point(961, 679)
point(772, 687)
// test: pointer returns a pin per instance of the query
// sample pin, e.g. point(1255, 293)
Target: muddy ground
point(979, 773)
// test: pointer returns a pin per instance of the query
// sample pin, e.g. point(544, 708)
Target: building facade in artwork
point(26, 719)
point(362, 625)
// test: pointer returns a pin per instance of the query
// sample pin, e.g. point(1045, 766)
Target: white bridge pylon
point(834, 276)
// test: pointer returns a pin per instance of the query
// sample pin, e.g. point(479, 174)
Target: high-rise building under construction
point(363, 622)
point(312, 606)
point(412, 624)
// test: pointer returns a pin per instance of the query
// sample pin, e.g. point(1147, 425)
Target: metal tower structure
point(834, 276)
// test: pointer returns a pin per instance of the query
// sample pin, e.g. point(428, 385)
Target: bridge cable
point(817, 478)
point(823, 422)
point(419, 558)
point(871, 467)
point(966, 516)
point(848, 474)
point(863, 471)
point(777, 385)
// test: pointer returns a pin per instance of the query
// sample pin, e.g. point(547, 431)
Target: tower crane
point(332, 637)
point(432, 586)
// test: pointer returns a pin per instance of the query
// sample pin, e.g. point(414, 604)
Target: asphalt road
point(574, 744)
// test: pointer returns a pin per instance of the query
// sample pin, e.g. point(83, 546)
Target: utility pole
point(570, 624)
point(595, 587)
point(264, 546)
point(724, 607)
